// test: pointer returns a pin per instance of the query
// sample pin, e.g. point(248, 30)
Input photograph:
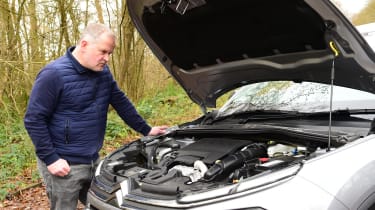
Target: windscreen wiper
point(258, 115)
point(270, 114)
point(274, 114)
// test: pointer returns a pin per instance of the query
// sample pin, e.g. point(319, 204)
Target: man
point(67, 113)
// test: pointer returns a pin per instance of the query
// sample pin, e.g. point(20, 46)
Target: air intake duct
point(235, 160)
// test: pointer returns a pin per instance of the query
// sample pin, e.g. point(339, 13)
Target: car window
point(305, 97)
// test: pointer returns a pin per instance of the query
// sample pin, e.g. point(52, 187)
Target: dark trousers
point(64, 192)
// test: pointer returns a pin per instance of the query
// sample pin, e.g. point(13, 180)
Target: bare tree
point(35, 32)
point(64, 35)
point(99, 11)
point(12, 55)
point(129, 56)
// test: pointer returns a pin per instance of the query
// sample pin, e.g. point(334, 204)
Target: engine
point(170, 167)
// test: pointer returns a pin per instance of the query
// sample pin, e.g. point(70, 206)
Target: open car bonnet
point(213, 46)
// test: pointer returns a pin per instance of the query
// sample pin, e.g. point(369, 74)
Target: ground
point(34, 198)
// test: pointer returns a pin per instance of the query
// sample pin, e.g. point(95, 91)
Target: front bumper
point(95, 203)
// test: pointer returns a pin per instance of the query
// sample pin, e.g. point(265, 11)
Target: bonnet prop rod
point(336, 54)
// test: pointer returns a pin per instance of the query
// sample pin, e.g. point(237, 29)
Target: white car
point(297, 133)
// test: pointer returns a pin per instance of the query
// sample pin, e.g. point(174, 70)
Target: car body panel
point(368, 31)
point(344, 173)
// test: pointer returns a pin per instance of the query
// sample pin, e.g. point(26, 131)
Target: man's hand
point(59, 168)
point(158, 130)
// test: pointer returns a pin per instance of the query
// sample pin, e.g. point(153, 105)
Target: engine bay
point(168, 167)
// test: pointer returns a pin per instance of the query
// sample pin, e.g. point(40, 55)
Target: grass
point(16, 154)
point(170, 106)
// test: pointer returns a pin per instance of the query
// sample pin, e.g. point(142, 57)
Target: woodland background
point(34, 32)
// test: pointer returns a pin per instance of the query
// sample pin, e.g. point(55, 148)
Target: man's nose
point(106, 57)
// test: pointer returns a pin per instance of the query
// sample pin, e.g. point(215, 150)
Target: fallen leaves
point(32, 198)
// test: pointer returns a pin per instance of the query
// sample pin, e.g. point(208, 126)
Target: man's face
point(97, 52)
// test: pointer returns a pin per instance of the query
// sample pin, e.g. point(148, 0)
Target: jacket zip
point(66, 131)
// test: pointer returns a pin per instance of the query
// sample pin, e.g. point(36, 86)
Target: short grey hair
point(95, 30)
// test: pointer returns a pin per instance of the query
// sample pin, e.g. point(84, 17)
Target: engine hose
point(235, 160)
point(151, 156)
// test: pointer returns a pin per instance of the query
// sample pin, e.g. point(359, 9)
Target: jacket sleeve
point(43, 99)
point(127, 111)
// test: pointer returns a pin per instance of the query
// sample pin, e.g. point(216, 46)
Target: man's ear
point(83, 43)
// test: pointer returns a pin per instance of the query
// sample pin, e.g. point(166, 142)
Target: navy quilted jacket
point(67, 111)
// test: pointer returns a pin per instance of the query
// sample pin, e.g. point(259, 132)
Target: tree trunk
point(129, 57)
point(99, 11)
